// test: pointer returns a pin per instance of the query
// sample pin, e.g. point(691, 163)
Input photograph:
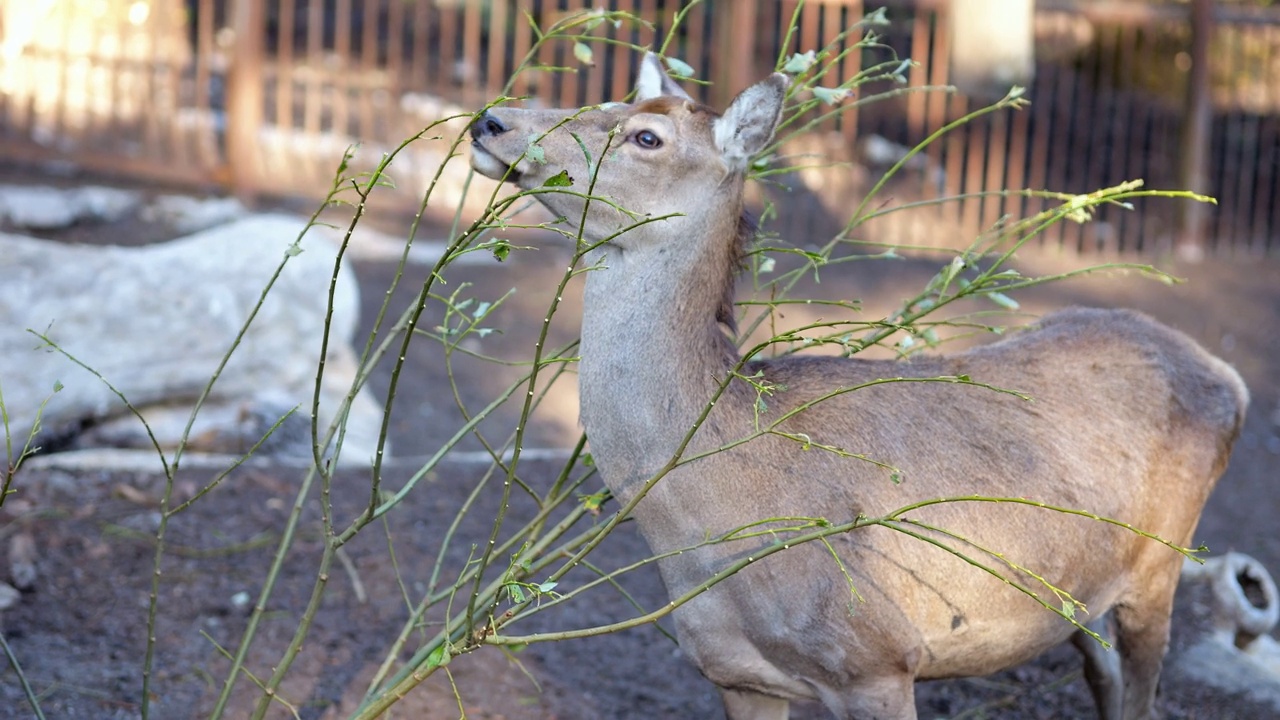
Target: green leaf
point(57, 386)
point(583, 53)
point(1003, 300)
point(831, 96)
point(898, 77)
point(517, 593)
point(799, 62)
point(534, 151)
point(593, 503)
point(438, 657)
point(501, 249)
point(293, 250)
point(560, 179)
point(547, 586)
point(679, 68)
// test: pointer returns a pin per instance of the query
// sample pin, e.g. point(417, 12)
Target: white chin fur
point(487, 164)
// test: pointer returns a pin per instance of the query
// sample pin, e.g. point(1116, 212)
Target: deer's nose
point(487, 124)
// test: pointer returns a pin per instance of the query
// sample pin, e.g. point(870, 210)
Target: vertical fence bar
point(997, 158)
point(496, 72)
point(284, 65)
point(617, 58)
point(394, 62)
point(850, 66)
point(338, 86)
point(420, 49)
point(1123, 91)
point(314, 64)
point(244, 95)
point(736, 25)
point(177, 54)
point(473, 59)
point(570, 80)
point(1266, 194)
point(370, 79)
point(1194, 140)
point(1220, 180)
point(944, 153)
point(595, 85)
point(204, 52)
point(151, 70)
point(446, 68)
point(1244, 119)
point(520, 46)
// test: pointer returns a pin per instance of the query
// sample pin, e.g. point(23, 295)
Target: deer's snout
point(486, 125)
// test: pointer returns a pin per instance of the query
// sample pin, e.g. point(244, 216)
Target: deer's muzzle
point(486, 124)
point(485, 161)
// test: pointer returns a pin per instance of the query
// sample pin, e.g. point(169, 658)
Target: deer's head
point(663, 154)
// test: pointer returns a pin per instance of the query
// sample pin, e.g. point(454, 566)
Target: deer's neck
point(653, 349)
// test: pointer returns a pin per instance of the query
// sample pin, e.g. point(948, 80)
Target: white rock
point(102, 203)
point(155, 321)
point(49, 208)
point(37, 208)
point(8, 596)
point(188, 214)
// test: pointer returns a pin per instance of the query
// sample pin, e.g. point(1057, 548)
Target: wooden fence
point(262, 96)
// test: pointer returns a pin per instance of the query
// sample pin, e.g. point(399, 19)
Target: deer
point(1127, 418)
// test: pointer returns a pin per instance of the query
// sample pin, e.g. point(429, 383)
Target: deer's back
point(1127, 419)
point(1105, 388)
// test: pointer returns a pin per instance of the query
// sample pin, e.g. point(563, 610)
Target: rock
point(22, 561)
point(8, 596)
point(37, 208)
point(49, 208)
point(187, 214)
point(155, 321)
point(103, 204)
point(1238, 655)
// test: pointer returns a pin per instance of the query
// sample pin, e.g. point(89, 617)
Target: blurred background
point(260, 97)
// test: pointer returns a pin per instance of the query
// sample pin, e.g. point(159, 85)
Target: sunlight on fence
point(263, 97)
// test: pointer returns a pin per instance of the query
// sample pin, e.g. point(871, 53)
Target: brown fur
point(1129, 419)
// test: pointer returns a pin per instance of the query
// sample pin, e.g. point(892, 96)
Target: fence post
point(245, 93)
point(1193, 142)
point(735, 30)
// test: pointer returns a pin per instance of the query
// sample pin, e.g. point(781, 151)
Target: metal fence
point(263, 96)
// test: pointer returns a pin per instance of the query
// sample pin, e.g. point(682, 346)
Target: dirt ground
point(80, 631)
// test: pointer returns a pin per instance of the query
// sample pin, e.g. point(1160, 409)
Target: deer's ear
point(747, 126)
point(653, 81)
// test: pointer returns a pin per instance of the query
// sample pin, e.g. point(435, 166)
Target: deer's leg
point(1102, 668)
point(1142, 636)
point(748, 705)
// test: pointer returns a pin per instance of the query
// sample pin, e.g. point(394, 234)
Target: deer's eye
point(648, 140)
